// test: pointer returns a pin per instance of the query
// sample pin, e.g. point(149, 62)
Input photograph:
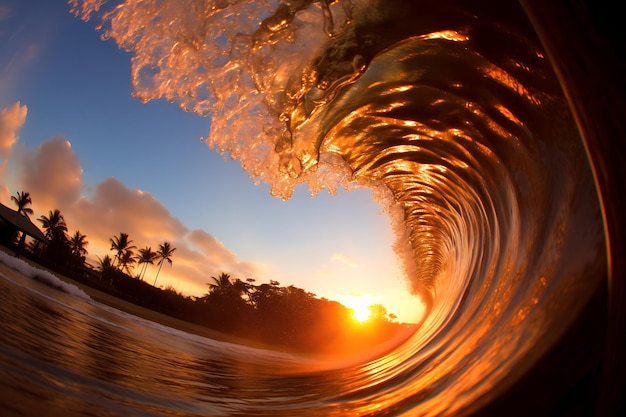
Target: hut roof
point(22, 222)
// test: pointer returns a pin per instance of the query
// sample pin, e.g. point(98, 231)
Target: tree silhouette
point(231, 290)
point(22, 199)
point(127, 260)
point(120, 244)
point(229, 299)
point(264, 296)
point(76, 250)
point(57, 252)
point(55, 226)
point(378, 312)
point(105, 266)
point(146, 256)
point(77, 242)
point(165, 253)
point(220, 285)
point(105, 263)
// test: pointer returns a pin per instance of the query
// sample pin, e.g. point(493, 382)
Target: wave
point(451, 113)
point(41, 275)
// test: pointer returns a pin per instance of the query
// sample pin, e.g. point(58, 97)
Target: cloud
point(53, 176)
point(4, 192)
point(53, 173)
point(3, 168)
point(115, 208)
point(210, 246)
point(11, 121)
point(345, 259)
point(218, 256)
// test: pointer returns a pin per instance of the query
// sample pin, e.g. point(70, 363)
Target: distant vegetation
point(286, 317)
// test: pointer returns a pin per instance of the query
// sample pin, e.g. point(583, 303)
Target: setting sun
point(360, 306)
point(361, 313)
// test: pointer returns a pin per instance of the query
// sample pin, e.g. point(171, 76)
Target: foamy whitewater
point(452, 115)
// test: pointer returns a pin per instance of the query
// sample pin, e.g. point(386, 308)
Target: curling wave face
point(452, 115)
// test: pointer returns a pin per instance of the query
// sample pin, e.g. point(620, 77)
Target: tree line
point(63, 250)
point(285, 317)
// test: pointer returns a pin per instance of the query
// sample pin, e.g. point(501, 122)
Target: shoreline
point(142, 312)
point(339, 356)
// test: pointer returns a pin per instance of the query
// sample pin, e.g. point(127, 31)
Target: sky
point(74, 137)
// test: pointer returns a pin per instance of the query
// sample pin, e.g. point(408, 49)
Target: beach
point(130, 308)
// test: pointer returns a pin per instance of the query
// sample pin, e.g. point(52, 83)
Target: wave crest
point(451, 114)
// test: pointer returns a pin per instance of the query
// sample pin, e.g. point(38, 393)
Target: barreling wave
point(451, 114)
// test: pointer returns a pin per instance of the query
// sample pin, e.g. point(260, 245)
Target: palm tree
point(22, 199)
point(165, 253)
point(225, 287)
point(146, 256)
point(105, 263)
point(55, 225)
point(119, 244)
point(78, 241)
point(220, 285)
point(127, 260)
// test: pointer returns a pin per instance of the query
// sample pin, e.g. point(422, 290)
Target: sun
point(361, 313)
point(360, 306)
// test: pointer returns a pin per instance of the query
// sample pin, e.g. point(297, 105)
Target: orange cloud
point(116, 208)
point(53, 173)
point(210, 246)
point(218, 256)
point(11, 121)
point(5, 194)
point(53, 176)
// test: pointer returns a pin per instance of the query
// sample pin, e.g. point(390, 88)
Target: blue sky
point(73, 136)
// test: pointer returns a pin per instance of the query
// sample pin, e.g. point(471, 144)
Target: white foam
point(46, 277)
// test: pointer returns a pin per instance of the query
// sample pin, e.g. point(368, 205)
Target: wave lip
point(456, 120)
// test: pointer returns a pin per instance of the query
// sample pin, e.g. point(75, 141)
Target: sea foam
point(41, 275)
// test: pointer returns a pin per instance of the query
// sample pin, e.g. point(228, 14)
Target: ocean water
point(452, 113)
